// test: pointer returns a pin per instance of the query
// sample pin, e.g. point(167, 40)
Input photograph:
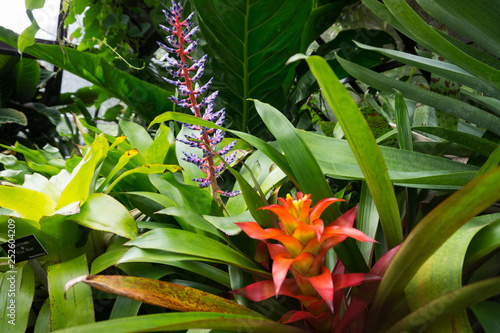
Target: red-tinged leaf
point(257, 291)
point(262, 254)
point(333, 230)
point(293, 245)
point(254, 230)
point(303, 264)
point(341, 281)
point(294, 315)
point(346, 219)
point(366, 293)
point(319, 227)
point(161, 293)
point(324, 286)
point(281, 264)
point(318, 209)
point(275, 249)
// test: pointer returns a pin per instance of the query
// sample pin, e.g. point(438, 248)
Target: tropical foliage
point(366, 204)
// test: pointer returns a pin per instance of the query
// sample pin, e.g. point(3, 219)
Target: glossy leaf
point(161, 293)
point(8, 115)
point(192, 220)
point(442, 273)
point(74, 307)
point(227, 223)
point(158, 150)
point(368, 220)
point(445, 69)
point(364, 147)
point(405, 136)
point(476, 144)
point(453, 301)
point(15, 198)
point(121, 163)
point(444, 103)
point(484, 242)
point(486, 312)
point(102, 212)
point(43, 319)
point(441, 223)
point(162, 322)
point(136, 135)
point(18, 289)
point(250, 42)
point(145, 98)
point(200, 246)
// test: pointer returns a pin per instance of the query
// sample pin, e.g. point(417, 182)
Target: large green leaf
point(451, 302)
point(169, 322)
point(173, 240)
point(440, 102)
point(442, 68)
point(429, 234)
point(442, 273)
point(8, 115)
point(18, 289)
point(15, 198)
point(364, 147)
point(473, 20)
point(102, 212)
point(74, 307)
point(27, 75)
point(425, 35)
point(145, 98)
point(248, 43)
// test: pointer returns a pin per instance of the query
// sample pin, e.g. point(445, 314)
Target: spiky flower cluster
point(180, 65)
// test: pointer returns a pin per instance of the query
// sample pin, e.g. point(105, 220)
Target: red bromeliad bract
point(304, 241)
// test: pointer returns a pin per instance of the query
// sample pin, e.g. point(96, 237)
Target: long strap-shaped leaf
point(175, 321)
point(364, 147)
point(455, 300)
point(430, 233)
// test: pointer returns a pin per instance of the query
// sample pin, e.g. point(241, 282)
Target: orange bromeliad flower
point(304, 243)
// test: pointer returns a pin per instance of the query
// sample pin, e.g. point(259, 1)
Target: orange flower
point(304, 243)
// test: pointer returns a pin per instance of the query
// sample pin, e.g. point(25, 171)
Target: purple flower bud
point(192, 158)
point(217, 137)
point(177, 83)
point(168, 49)
point(191, 47)
point(170, 31)
point(203, 182)
point(230, 158)
point(175, 63)
point(210, 99)
point(199, 63)
point(192, 127)
point(174, 73)
point(183, 103)
point(198, 74)
point(188, 19)
point(174, 42)
point(230, 194)
point(188, 34)
point(220, 121)
point(205, 87)
point(193, 144)
point(227, 148)
point(169, 17)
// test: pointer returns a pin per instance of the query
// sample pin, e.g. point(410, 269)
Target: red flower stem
point(214, 187)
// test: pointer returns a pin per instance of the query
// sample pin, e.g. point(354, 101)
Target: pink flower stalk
point(182, 45)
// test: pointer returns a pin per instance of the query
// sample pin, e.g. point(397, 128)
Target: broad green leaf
point(451, 302)
point(442, 273)
point(27, 37)
point(8, 115)
point(74, 307)
point(34, 4)
point(363, 146)
point(102, 212)
point(15, 198)
point(441, 223)
point(192, 220)
point(491, 163)
point(429, 38)
point(164, 294)
point(445, 69)
point(486, 312)
point(473, 21)
point(178, 321)
point(227, 223)
point(444, 103)
point(183, 261)
point(484, 242)
point(158, 150)
point(145, 169)
point(200, 246)
point(476, 144)
point(107, 259)
point(250, 42)
point(43, 319)
point(79, 187)
point(145, 98)
point(18, 289)
point(138, 137)
point(27, 76)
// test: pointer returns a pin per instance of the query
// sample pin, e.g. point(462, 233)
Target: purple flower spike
point(189, 71)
